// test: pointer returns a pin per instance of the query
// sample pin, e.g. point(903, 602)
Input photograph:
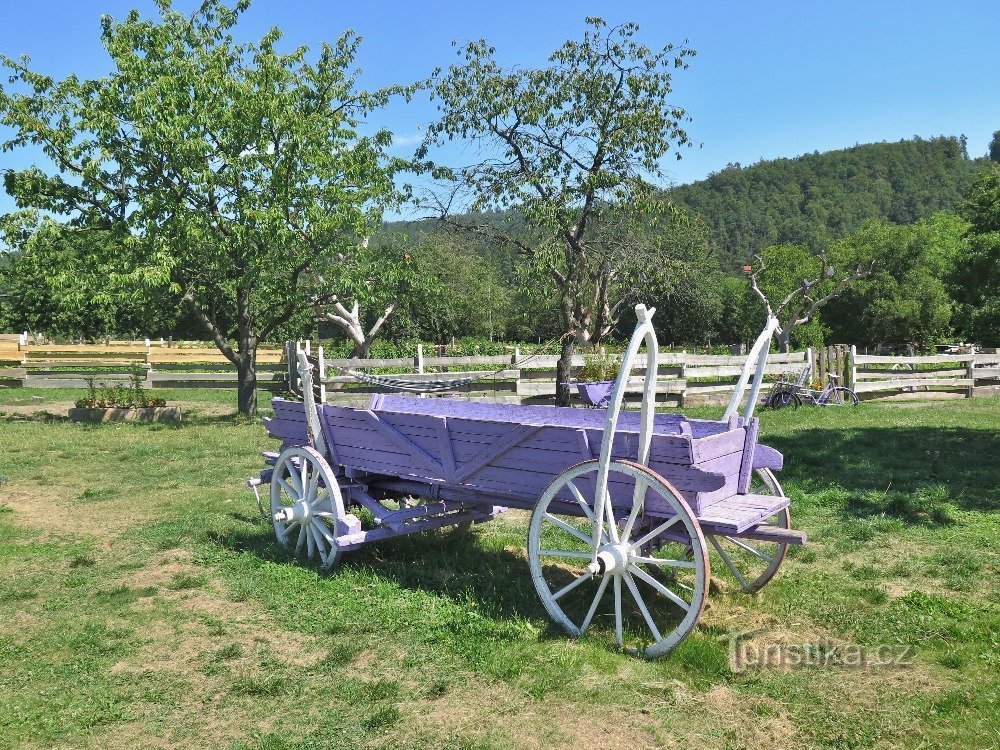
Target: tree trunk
point(361, 350)
point(246, 374)
point(564, 372)
point(784, 341)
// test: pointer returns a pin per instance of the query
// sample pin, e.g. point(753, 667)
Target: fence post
point(290, 362)
point(418, 362)
point(321, 374)
point(810, 360)
point(971, 372)
point(853, 367)
point(308, 347)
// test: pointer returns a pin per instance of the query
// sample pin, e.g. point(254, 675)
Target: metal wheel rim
point(735, 552)
point(315, 534)
point(637, 582)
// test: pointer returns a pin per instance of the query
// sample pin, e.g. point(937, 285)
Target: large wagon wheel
point(307, 508)
point(754, 563)
point(666, 587)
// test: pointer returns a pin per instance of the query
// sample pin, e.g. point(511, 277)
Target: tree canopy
point(573, 147)
point(226, 172)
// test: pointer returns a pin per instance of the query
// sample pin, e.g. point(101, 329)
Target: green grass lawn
point(144, 604)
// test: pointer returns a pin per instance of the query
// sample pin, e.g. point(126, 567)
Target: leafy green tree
point(795, 284)
point(573, 148)
point(976, 278)
point(56, 282)
point(994, 150)
point(905, 300)
point(226, 172)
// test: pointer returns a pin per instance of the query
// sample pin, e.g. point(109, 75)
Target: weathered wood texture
point(512, 452)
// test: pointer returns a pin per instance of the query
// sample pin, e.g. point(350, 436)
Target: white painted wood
point(566, 583)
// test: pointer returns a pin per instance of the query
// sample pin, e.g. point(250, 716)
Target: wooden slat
point(870, 386)
point(897, 374)
point(871, 359)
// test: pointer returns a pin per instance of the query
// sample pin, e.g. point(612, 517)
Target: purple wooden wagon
point(620, 502)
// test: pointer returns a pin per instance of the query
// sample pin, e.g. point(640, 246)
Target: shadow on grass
point(908, 473)
point(444, 563)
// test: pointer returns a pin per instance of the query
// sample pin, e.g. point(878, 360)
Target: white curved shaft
point(757, 358)
point(309, 400)
point(643, 333)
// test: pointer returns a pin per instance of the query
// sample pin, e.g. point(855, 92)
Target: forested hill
point(822, 196)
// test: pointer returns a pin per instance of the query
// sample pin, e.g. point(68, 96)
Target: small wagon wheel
point(653, 599)
point(307, 508)
point(754, 563)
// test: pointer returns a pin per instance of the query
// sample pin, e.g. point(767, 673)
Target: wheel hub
point(613, 559)
point(297, 512)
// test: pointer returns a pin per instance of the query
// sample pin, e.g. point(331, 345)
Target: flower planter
point(596, 393)
point(117, 414)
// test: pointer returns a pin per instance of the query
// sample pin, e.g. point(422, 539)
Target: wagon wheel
point(651, 599)
point(754, 563)
point(306, 505)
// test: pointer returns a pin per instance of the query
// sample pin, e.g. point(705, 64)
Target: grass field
point(144, 604)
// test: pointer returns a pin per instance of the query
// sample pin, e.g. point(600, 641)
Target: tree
point(976, 278)
point(227, 172)
point(802, 283)
point(380, 274)
point(56, 282)
point(572, 148)
point(994, 151)
point(905, 300)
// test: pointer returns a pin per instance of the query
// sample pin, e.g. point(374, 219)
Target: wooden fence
point(74, 365)
point(682, 379)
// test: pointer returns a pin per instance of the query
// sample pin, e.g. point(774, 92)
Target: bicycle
point(785, 393)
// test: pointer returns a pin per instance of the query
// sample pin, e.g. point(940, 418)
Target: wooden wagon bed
point(508, 454)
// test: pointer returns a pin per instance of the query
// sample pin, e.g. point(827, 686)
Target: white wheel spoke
point(311, 487)
point(593, 605)
point(655, 532)
point(612, 524)
point(300, 542)
point(310, 540)
point(292, 492)
point(569, 529)
point(305, 477)
point(642, 574)
point(663, 562)
point(564, 553)
point(729, 563)
point(642, 608)
point(582, 503)
point(618, 611)
point(751, 550)
point(296, 488)
point(586, 576)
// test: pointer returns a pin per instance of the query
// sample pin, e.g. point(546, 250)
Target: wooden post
point(418, 361)
point(308, 347)
point(321, 374)
point(853, 367)
point(290, 360)
point(971, 372)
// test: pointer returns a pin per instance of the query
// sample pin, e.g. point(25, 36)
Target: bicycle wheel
point(781, 399)
point(841, 396)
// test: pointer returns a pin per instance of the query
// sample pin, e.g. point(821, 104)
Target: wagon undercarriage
point(627, 509)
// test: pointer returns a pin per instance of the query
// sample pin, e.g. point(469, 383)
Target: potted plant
point(596, 379)
point(123, 403)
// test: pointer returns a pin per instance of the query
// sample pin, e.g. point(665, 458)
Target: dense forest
point(820, 197)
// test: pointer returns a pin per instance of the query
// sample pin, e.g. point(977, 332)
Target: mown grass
point(143, 603)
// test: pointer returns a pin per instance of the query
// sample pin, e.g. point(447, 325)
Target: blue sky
point(770, 79)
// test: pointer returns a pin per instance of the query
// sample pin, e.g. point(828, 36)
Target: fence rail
point(683, 378)
point(74, 365)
